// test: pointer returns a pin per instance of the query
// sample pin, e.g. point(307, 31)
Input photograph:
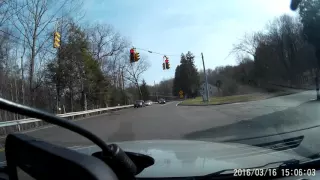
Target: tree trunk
point(22, 78)
point(12, 99)
point(85, 102)
point(140, 93)
point(16, 93)
point(122, 78)
point(71, 100)
point(31, 73)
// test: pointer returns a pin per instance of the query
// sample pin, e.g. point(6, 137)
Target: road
point(277, 123)
point(255, 122)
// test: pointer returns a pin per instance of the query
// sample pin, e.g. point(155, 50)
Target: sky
point(173, 27)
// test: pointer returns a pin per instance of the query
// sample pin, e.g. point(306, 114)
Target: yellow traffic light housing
point(163, 66)
point(56, 39)
point(136, 56)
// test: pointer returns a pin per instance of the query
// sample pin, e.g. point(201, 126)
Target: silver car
point(162, 101)
point(148, 103)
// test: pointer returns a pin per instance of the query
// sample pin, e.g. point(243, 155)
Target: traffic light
point(164, 66)
point(56, 39)
point(167, 63)
point(132, 55)
point(137, 56)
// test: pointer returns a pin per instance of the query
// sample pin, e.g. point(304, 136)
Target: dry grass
point(223, 100)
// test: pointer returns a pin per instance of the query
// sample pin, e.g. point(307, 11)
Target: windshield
point(225, 73)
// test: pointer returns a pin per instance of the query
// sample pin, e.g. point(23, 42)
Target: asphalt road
point(258, 122)
point(295, 116)
point(241, 122)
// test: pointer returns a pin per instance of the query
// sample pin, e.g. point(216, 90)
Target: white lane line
point(166, 103)
point(37, 129)
point(75, 147)
point(237, 103)
point(81, 147)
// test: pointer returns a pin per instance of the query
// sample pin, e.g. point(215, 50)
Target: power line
point(9, 16)
point(10, 35)
point(21, 40)
point(163, 54)
point(153, 52)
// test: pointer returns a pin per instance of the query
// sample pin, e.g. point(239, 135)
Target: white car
point(148, 103)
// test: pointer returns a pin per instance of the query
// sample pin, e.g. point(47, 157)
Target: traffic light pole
point(206, 78)
point(56, 26)
point(156, 90)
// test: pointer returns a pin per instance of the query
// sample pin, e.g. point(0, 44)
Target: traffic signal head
point(132, 55)
point(56, 39)
point(137, 56)
point(163, 66)
point(168, 65)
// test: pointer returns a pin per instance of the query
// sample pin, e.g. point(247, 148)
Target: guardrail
point(19, 122)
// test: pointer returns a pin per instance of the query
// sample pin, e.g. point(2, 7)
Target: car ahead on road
point(139, 103)
point(162, 101)
point(148, 103)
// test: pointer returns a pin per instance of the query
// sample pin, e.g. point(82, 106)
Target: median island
point(231, 99)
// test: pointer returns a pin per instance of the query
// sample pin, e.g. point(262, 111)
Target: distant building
point(212, 89)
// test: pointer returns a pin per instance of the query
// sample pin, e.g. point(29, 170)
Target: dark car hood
point(182, 158)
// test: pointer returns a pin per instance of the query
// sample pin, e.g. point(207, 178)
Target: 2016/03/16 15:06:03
point(274, 172)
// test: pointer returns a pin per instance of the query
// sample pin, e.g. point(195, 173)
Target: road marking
point(166, 104)
point(81, 147)
point(76, 147)
point(40, 128)
point(237, 103)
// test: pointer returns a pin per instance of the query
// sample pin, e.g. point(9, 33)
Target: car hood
point(184, 158)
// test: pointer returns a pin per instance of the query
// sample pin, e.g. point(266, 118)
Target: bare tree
point(4, 12)
point(248, 44)
point(134, 71)
point(105, 43)
point(34, 19)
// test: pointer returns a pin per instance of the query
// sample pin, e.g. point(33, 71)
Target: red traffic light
point(167, 61)
point(131, 51)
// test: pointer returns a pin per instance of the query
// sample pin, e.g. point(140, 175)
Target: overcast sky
point(177, 26)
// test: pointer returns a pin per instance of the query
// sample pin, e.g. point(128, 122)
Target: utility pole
point(154, 82)
point(206, 78)
point(56, 45)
